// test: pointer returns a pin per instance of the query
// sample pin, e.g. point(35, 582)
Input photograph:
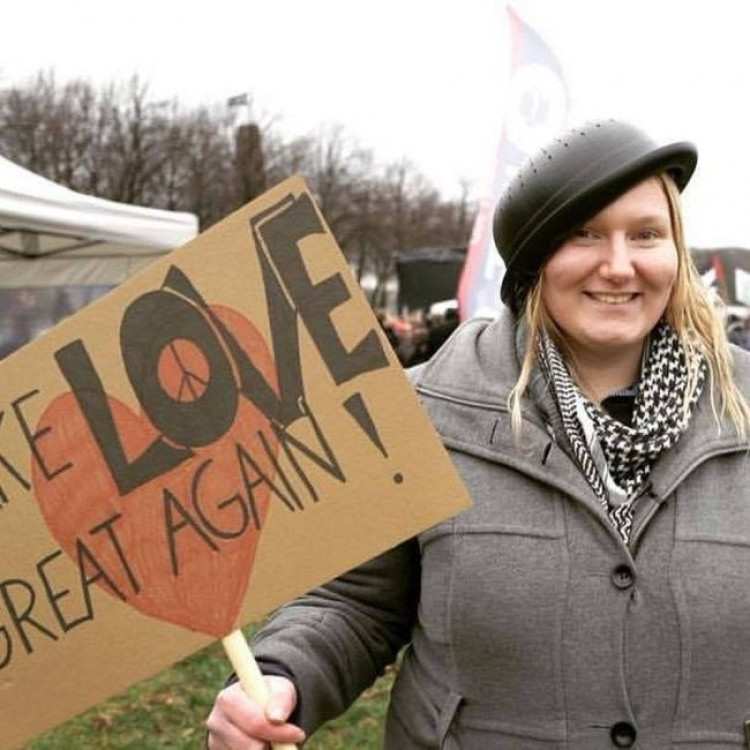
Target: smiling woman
point(595, 594)
point(609, 190)
point(608, 285)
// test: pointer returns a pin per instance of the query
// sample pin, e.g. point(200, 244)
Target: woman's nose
point(617, 262)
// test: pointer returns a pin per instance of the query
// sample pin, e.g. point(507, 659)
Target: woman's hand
point(237, 722)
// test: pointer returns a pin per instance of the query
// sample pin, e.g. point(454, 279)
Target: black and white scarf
point(614, 458)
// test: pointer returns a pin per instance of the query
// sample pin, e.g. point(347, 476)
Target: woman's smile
point(610, 298)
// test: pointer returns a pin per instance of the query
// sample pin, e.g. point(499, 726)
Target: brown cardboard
point(166, 388)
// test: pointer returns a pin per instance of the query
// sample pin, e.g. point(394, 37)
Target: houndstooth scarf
point(616, 459)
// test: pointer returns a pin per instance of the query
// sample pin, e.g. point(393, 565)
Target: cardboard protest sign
point(212, 438)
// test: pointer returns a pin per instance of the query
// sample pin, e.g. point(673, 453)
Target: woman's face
point(609, 283)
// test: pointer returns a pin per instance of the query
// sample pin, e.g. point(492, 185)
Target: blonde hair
point(698, 323)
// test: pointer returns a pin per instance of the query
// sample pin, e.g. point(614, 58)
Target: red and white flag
point(536, 109)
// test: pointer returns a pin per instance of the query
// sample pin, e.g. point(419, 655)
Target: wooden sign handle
point(251, 678)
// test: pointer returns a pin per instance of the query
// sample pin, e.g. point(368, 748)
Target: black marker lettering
point(20, 614)
point(107, 527)
point(281, 235)
point(195, 422)
point(158, 458)
point(54, 595)
point(236, 503)
point(15, 473)
point(85, 558)
point(8, 651)
point(32, 438)
point(246, 460)
point(172, 508)
point(282, 408)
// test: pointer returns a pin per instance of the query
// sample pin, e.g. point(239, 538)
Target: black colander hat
point(568, 182)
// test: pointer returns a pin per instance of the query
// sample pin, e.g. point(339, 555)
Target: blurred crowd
point(416, 336)
point(738, 330)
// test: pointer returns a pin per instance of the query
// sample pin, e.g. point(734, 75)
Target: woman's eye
point(648, 234)
point(582, 234)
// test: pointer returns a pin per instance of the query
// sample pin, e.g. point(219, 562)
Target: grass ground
point(168, 711)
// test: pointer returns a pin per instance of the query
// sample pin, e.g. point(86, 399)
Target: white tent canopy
point(53, 236)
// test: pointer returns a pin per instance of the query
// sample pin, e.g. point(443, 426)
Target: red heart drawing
point(181, 547)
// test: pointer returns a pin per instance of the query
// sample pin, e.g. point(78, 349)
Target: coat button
point(623, 577)
point(623, 734)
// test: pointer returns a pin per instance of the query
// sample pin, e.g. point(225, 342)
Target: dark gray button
point(623, 576)
point(623, 734)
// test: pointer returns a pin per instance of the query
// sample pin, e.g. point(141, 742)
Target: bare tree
point(117, 143)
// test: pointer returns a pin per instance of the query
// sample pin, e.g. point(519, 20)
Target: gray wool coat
point(528, 623)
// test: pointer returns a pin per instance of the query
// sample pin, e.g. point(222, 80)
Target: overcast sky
point(424, 79)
